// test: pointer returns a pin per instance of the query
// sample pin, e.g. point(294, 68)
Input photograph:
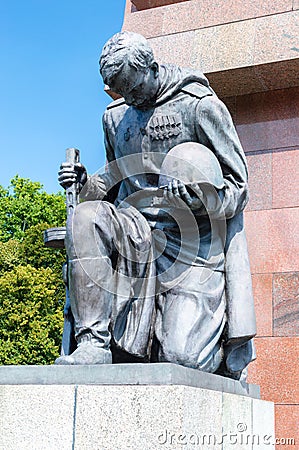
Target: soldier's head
point(128, 67)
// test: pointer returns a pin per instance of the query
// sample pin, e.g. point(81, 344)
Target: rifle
point(54, 238)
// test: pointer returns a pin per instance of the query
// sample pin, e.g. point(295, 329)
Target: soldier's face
point(138, 87)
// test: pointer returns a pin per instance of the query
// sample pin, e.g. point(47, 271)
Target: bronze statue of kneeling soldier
point(158, 267)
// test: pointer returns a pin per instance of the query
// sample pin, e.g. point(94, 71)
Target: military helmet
point(191, 162)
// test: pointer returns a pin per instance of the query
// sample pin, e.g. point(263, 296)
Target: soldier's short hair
point(124, 48)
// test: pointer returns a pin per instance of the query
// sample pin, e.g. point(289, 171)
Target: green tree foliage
point(30, 315)
point(25, 204)
point(31, 286)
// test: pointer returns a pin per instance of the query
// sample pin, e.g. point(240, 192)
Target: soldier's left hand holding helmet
point(188, 171)
point(178, 189)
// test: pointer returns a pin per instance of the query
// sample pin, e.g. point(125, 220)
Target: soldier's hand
point(178, 189)
point(72, 173)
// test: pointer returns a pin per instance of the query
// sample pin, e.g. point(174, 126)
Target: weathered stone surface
point(262, 292)
point(211, 52)
point(286, 178)
point(95, 414)
point(260, 181)
point(286, 304)
point(242, 415)
point(150, 25)
point(276, 38)
point(262, 418)
point(124, 374)
point(147, 417)
point(180, 16)
point(164, 417)
point(258, 78)
point(36, 417)
point(286, 425)
point(176, 50)
point(239, 57)
point(238, 44)
point(277, 246)
point(276, 369)
point(269, 121)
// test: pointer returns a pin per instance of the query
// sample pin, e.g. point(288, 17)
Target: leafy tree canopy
point(25, 204)
point(31, 286)
point(30, 315)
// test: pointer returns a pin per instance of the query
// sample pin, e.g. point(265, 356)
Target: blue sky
point(51, 93)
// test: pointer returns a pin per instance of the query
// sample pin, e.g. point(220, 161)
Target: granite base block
point(132, 415)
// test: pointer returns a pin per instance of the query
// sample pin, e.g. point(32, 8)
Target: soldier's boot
point(91, 306)
point(89, 351)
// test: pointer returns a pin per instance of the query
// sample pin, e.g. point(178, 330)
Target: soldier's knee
point(89, 229)
point(80, 235)
point(85, 214)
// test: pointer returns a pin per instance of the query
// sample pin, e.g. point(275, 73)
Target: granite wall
point(268, 127)
point(249, 50)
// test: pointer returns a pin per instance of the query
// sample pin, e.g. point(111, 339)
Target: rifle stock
point(68, 344)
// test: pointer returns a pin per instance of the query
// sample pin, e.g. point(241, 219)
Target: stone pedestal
point(129, 406)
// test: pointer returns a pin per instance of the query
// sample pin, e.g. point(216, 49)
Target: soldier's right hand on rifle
point(72, 173)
